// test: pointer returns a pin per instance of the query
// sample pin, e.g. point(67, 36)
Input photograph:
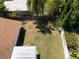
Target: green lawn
point(49, 46)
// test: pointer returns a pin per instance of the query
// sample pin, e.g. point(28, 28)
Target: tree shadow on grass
point(21, 37)
point(42, 24)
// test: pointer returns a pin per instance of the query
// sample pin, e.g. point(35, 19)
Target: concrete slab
point(24, 52)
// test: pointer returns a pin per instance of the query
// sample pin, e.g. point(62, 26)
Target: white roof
point(24, 52)
point(20, 0)
point(16, 5)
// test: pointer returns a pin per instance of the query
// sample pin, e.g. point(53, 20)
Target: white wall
point(66, 52)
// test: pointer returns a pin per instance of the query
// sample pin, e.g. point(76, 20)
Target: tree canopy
point(2, 8)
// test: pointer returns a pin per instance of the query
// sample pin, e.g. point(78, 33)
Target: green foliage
point(29, 5)
point(63, 2)
point(72, 44)
point(51, 6)
point(70, 19)
point(1, 4)
point(36, 6)
point(69, 14)
point(75, 15)
point(2, 8)
point(42, 7)
point(75, 55)
point(66, 9)
point(71, 41)
point(62, 21)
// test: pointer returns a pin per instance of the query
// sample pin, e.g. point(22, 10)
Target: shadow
point(18, 15)
point(42, 24)
point(38, 56)
point(3, 14)
point(20, 40)
point(76, 27)
point(41, 21)
point(71, 27)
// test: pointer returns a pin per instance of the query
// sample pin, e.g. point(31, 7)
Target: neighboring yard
point(49, 45)
point(73, 44)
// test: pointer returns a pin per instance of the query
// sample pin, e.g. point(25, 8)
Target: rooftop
point(9, 30)
point(24, 52)
point(16, 5)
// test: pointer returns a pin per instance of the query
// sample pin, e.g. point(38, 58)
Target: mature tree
point(51, 6)
point(69, 14)
point(66, 10)
point(36, 6)
point(29, 3)
point(75, 15)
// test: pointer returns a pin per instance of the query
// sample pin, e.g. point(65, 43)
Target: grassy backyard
point(49, 46)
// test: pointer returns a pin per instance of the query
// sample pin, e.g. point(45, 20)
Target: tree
point(51, 6)
point(29, 2)
point(43, 7)
point(2, 8)
point(65, 12)
point(36, 6)
point(69, 14)
point(75, 15)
